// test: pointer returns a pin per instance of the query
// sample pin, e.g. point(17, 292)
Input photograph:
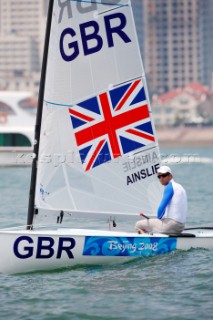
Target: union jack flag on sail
point(111, 124)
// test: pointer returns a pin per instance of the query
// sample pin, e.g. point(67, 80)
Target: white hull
point(17, 131)
point(16, 156)
point(27, 251)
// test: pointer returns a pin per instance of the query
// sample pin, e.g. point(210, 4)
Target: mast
point(31, 203)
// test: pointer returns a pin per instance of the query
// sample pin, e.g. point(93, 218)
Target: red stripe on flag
point(126, 96)
point(80, 115)
point(111, 124)
point(98, 148)
point(140, 134)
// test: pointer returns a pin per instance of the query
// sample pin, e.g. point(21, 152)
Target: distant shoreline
point(185, 137)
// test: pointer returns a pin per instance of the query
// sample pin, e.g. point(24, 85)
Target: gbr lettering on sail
point(91, 38)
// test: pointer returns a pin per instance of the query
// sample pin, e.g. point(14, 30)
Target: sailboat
point(96, 153)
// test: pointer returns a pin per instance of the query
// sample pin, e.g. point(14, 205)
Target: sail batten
point(98, 149)
point(104, 3)
point(71, 104)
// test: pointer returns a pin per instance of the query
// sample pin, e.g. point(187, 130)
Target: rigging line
point(101, 3)
point(127, 81)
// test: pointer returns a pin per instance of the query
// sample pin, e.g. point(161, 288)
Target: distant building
point(206, 42)
point(22, 28)
point(205, 109)
point(180, 106)
point(176, 40)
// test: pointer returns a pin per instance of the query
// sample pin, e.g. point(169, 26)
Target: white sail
point(98, 150)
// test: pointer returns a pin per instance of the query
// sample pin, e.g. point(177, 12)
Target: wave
point(175, 159)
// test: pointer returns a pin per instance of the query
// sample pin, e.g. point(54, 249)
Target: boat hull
point(16, 156)
point(24, 251)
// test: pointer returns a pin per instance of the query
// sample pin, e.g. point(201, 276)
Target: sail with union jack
point(97, 129)
point(112, 124)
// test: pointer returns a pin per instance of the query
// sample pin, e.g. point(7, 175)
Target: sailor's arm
point(167, 196)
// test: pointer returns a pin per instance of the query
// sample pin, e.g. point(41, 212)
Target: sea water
point(177, 285)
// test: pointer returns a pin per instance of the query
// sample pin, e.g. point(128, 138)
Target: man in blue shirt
point(171, 214)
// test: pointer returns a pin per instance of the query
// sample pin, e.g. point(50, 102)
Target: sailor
point(171, 214)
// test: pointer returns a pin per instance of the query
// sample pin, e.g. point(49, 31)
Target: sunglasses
point(163, 175)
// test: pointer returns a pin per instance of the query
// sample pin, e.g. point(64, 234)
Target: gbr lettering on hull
point(44, 248)
point(90, 36)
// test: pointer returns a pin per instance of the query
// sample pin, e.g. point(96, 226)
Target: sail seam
point(129, 80)
point(110, 10)
point(59, 104)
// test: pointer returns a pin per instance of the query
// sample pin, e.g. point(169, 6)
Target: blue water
point(177, 285)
